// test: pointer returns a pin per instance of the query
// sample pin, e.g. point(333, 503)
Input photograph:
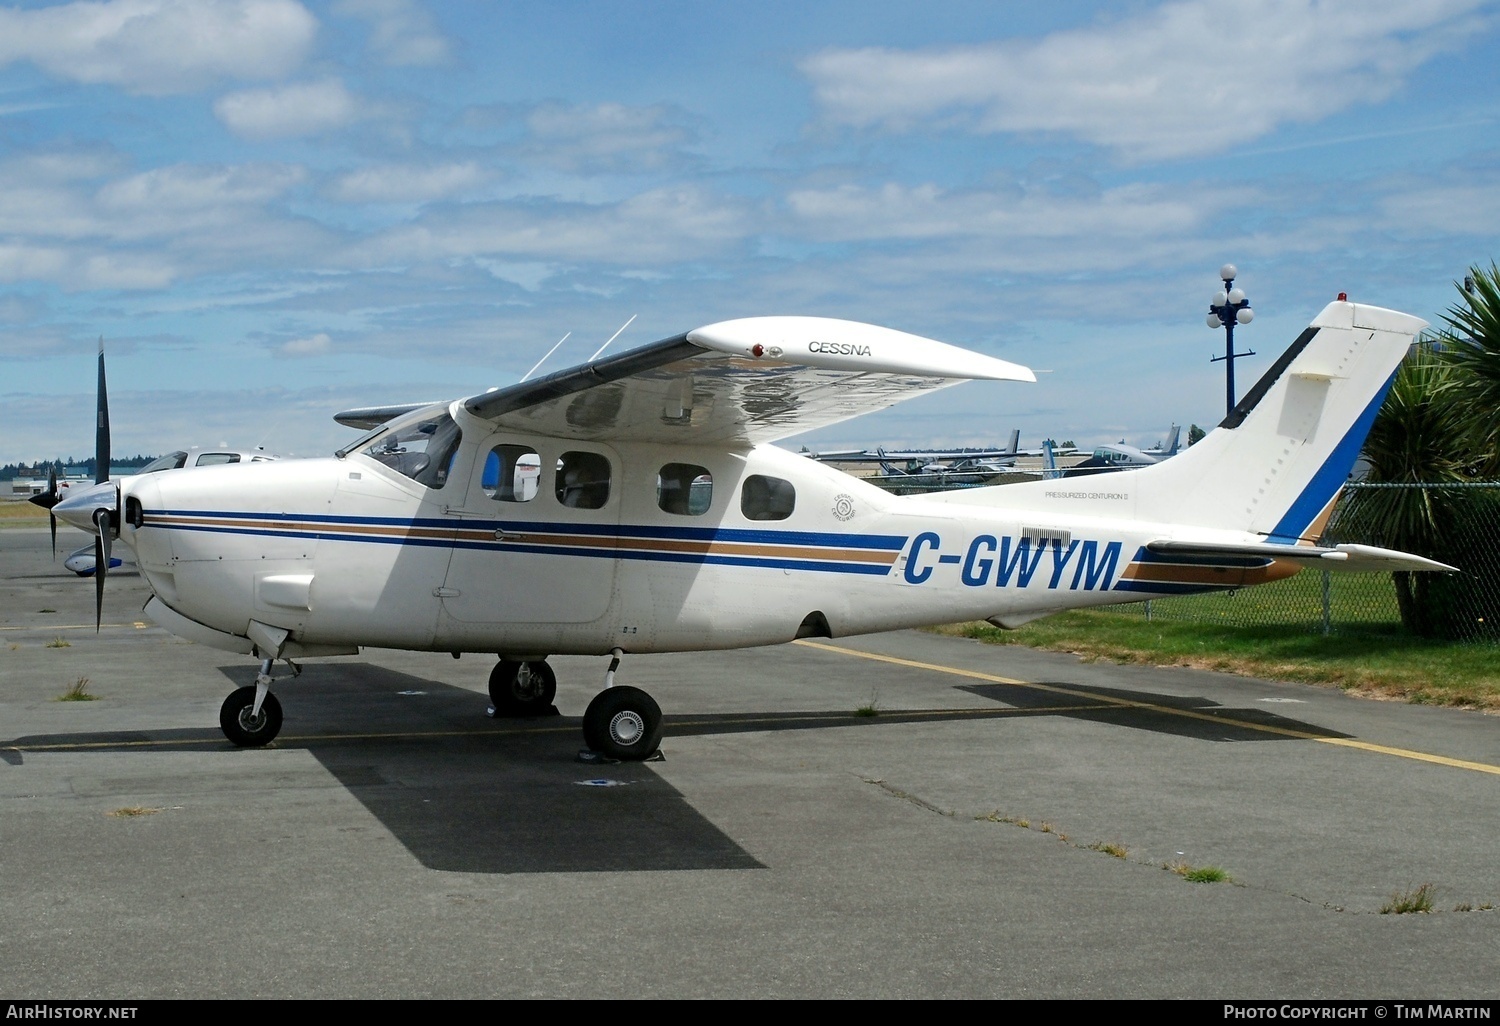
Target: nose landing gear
point(251, 716)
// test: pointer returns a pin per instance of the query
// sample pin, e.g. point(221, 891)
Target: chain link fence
point(1461, 607)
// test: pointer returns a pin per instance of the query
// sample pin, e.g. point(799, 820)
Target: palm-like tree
point(1471, 343)
point(1419, 437)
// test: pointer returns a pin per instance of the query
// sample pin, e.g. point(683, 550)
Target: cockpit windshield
point(171, 461)
point(421, 446)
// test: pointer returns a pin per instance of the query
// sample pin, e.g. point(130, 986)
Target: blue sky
point(274, 210)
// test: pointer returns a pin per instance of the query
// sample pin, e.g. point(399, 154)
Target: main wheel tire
point(245, 730)
point(522, 689)
point(623, 723)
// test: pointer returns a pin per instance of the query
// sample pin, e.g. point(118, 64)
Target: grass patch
point(1198, 874)
point(1114, 848)
point(1418, 899)
point(59, 643)
point(1383, 662)
point(78, 691)
point(21, 511)
point(132, 810)
point(870, 708)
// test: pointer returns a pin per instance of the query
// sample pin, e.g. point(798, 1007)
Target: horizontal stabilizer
point(367, 417)
point(1351, 558)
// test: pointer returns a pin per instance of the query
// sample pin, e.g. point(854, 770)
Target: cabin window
point(421, 449)
point(511, 473)
point(685, 489)
point(767, 498)
point(212, 459)
point(583, 480)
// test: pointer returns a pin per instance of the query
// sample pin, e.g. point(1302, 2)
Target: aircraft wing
point(739, 382)
point(1352, 558)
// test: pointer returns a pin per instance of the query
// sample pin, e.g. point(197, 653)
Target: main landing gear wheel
point(246, 730)
point(522, 689)
point(623, 723)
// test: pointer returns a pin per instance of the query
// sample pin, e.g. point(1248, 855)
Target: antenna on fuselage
point(544, 359)
point(611, 339)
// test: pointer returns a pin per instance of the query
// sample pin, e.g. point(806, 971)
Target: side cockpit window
point(421, 449)
point(767, 498)
point(511, 473)
point(685, 489)
point(582, 480)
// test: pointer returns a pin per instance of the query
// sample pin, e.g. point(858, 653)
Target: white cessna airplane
point(658, 518)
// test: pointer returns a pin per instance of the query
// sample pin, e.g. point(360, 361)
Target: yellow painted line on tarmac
point(139, 625)
point(1123, 703)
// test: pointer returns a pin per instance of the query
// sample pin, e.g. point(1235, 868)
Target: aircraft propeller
point(98, 506)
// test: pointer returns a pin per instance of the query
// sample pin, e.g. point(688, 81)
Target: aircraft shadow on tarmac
point(1193, 717)
point(465, 793)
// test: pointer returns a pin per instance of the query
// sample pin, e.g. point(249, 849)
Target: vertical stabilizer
point(1275, 464)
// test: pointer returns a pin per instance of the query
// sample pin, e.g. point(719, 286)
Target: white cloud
point(407, 183)
point(314, 345)
point(894, 211)
point(160, 46)
point(1186, 78)
point(606, 136)
point(80, 270)
point(658, 226)
point(303, 108)
point(183, 187)
point(401, 33)
point(1460, 207)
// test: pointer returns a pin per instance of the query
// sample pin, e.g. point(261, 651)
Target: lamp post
point(1225, 310)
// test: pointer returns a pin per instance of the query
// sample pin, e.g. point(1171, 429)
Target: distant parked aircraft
point(1119, 456)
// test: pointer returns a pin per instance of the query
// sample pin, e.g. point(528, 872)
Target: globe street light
point(1225, 310)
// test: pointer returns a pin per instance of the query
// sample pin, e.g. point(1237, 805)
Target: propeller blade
point(51, 497)
point(101, 432)
point(101, 563)
point(52, 493)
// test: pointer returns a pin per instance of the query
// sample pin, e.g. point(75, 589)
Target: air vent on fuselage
point(1041, 535)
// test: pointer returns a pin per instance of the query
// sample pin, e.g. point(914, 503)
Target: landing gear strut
point(622, 722)
point(522, 688)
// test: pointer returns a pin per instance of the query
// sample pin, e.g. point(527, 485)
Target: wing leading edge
point(740, 382)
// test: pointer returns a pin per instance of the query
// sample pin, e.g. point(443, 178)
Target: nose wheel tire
point(623, 723)
point(522, 689)
point(245, 730)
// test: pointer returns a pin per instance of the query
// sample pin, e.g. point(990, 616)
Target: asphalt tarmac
point(1002, 827)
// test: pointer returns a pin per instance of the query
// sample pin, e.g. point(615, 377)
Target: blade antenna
point(544, 359)
point(611, 339)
